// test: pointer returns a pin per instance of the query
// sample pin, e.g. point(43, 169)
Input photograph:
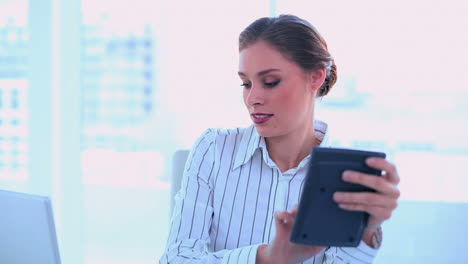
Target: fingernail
point(347, 175)
point(370, 161)
point(338, 196)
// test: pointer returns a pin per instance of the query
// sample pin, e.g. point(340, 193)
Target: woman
point(241, 186)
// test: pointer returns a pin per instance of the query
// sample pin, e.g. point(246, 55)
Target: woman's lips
point(260, 118)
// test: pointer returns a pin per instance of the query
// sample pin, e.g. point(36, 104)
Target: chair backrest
point(178, 164)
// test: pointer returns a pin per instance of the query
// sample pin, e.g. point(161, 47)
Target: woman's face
point(278, 94)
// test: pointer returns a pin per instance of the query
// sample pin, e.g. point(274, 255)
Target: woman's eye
point(272, 84)
point(245, 85)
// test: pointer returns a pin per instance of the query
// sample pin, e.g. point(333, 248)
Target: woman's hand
point(281, 250)
point(380, 204)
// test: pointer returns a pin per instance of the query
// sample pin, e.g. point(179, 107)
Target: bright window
point(401, 86)
point(13, 91)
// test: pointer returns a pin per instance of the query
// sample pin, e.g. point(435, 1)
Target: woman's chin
point(264, 131)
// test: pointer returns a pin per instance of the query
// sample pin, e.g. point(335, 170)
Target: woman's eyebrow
point(260, 73)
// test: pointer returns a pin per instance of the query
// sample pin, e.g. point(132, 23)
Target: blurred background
point(96, 96)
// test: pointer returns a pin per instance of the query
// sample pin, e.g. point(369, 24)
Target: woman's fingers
point(381, 213)
point(365, 198)
point(284, 217)
point(389, 169)
point(294, 210)
point(377, 183)
point(379, 204)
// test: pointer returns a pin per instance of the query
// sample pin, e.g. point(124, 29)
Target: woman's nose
point(255, 96)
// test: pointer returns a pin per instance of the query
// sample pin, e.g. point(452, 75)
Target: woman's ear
point(316, 79)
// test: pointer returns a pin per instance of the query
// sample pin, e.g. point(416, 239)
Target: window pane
point(400, 86)
point(119, 86)
point(13, 92)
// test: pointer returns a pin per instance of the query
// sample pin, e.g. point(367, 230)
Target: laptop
point(27, 229)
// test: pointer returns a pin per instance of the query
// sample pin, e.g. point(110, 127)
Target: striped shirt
point(229, 193)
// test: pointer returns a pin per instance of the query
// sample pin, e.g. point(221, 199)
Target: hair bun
point(332, 76)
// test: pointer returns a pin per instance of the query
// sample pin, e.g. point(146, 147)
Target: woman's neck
point(289, 150)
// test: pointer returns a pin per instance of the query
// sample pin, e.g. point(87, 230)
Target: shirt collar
point(251, 141)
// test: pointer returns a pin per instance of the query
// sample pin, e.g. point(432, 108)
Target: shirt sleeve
point(189, 237)
point(361, 254)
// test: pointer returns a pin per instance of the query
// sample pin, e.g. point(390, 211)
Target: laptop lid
point(27, 230)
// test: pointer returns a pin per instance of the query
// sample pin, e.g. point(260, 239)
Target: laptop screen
point(27, 230)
